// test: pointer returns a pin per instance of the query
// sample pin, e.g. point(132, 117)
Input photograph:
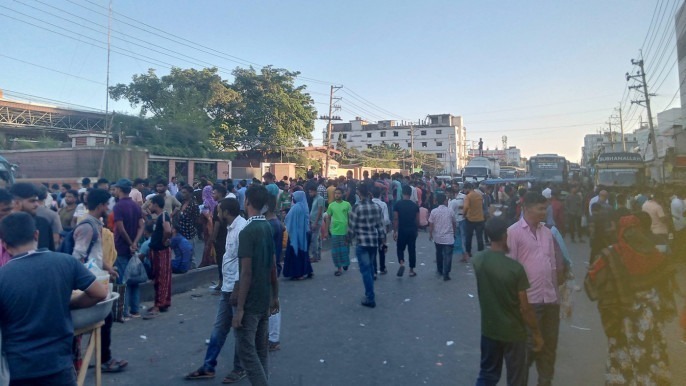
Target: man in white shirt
point(136, 194)
point(678, 208)
point(173, 186)
point(229, 211)
point(456, 205)
point(601, 198)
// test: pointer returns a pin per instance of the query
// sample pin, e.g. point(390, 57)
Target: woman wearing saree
point(297, 261)
point(208, 202)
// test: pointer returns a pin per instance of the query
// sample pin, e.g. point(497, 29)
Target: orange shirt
point(473, 207)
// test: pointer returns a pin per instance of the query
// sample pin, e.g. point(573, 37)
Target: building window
point(439, 144)
point(423, 144)
point(395, 133)
point(439, 131)
point(369, 146)
point(409, 144)
point(409, 132)
point(439, 155)
point(423, 132)
point(369, 135)
point(345, 136)
point(383, 134)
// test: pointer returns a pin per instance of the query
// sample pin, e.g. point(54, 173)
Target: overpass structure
point(34, 120)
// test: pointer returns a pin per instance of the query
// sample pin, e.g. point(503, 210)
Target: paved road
point(329, 339)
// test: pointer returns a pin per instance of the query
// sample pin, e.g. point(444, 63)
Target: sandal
point(151, 315)
point(413, 274)
point(234, 376)
point(338, 273)
point(200, 373)
point(111, 366)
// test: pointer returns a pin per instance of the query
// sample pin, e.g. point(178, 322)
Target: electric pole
point(621, 127)
point(329, 118)
point(640, 77)
point(411, 148)
point(612, 139)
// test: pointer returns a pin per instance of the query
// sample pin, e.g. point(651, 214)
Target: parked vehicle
point(481, 168)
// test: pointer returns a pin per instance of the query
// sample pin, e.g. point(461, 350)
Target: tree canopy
point(193, 112)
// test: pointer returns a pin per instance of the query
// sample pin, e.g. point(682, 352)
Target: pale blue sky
point(544, 73)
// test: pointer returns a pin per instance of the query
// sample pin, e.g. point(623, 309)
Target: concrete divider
point(183, 282)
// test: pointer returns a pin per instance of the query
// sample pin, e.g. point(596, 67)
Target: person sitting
point(183, 252)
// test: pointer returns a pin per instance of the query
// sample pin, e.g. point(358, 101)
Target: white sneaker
point(353, 260)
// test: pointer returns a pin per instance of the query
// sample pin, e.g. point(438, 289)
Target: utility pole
point(411, 148)
point(621, 127)
point(612, 139)
point(329, 118)
point(642, 84)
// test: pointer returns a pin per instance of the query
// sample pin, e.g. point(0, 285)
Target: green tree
point(272, 111)
point(183, 109)
point(382, 156)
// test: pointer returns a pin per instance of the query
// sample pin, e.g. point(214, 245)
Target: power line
point(51, 69)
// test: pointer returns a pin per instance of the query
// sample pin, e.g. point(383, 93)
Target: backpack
point(68, 242)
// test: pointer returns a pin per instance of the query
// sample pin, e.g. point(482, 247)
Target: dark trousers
point(381, 266)
point(407, 239)
point(574, 225)
point(220, 249)
point(492, 354)
point(66, 377)
point(548, 316)
point(472, 227)
point(444, 259)
point(106, 339)
point(253, 347)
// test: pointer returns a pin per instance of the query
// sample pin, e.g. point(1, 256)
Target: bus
point(512, 172)
point(549, 168)
point(619, 170)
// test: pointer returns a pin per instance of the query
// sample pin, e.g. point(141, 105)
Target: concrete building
point(443, 135)
point(510, 156)
point(607, 142)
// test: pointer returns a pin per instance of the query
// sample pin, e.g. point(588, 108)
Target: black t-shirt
point(45, 239)
point(352, 189)
point(220, 241)
point(157, 238)
point(407, 215)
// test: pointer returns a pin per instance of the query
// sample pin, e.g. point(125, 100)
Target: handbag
point(135, 272)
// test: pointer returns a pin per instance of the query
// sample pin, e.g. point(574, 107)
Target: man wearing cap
point(25, 198)
point(128, 229)
point(136, 194)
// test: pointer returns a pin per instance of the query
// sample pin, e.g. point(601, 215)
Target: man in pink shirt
point(531, 244)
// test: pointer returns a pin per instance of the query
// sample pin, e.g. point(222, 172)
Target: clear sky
point(543, 73)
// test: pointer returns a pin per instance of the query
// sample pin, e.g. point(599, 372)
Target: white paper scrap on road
point(407, 300)
point(581, 328)
point(144, 337)
point(470, 295)
point(361, 324)
point(449, 343)
point(321, 361)
point(422, 264)
point(207, 341)
point(384, 362)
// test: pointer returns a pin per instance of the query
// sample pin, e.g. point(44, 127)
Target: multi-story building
point(607, 142)
point(443, 135)
point(510, 156)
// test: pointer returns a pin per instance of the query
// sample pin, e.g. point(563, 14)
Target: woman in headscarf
point(209, 203)
point(633, 284)
point(297, 261)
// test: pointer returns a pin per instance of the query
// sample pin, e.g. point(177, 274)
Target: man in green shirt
point(505, 311)
point(258, 290)
point(338, 219)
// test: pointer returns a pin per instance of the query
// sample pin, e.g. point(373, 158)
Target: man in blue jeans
point(366, 227)
point(505, 311)
point(229, 212)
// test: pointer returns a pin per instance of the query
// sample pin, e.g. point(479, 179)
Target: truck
point(481, 168)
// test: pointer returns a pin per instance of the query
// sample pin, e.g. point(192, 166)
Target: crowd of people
point(521, 278)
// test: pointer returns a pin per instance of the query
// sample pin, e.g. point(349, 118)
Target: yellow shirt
point(330, 193)
point(473, 207)
point(109, 254)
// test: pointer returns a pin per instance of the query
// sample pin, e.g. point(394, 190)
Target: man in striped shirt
point(366, 227)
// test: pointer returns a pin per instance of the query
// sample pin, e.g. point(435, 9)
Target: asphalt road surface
point(424, 331)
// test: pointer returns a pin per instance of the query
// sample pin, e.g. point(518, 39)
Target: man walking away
point(128, 229)
point(532, 244)
point(317, 209)
point(376, 193)
point(36, 325)
point(258, 288)
point(88, 247)
point(405, 228)
point(474, 215)
point(573, 212)
point(366, 227)
point(442, 232)
point(219, 232)
point(160, 257)
point(229, 211)
point(505, 311)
